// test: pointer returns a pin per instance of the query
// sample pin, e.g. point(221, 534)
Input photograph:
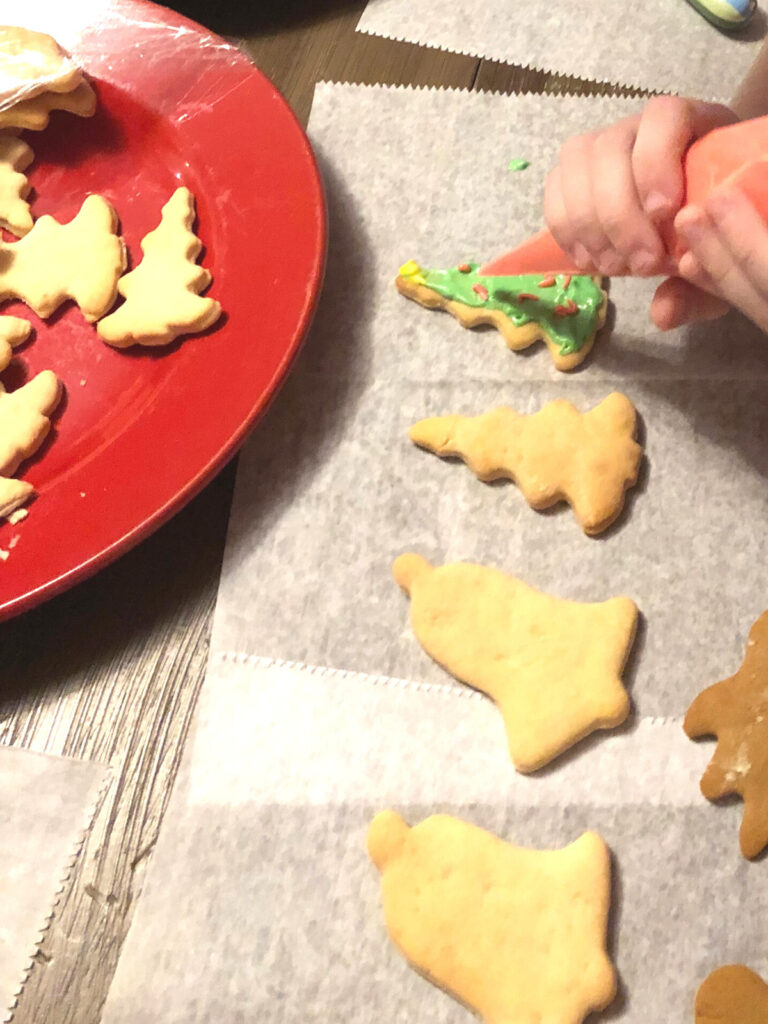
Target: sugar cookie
point(15, 157)
point(81, 260)
point(33, 63)
point(162, 299)
point(565, 312)
point(13, 494)
point(552, 666)
point(736, 712)
point(556, 454)
point(24, 419)
point(13, 330)
point(517, 935)
point(35, 114)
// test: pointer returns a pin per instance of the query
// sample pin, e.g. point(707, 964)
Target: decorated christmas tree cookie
point(562, 310)
point(517, 935)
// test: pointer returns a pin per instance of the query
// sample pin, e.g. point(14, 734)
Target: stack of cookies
point(36, 77)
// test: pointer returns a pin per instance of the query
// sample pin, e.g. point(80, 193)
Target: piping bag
point(736, 154)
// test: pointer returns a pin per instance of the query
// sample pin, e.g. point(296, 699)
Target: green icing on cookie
point(568, 307)
point(519, 165)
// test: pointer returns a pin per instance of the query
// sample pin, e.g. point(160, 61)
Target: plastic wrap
point(102, 39)
point(32, 63)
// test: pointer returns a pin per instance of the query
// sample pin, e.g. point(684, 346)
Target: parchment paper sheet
point(330, 490)
point(662, 45)
point(261, 904)
point(46, 804)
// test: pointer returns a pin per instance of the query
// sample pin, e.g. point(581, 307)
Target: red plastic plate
point(139, 432)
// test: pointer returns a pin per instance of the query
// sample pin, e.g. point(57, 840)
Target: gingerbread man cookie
point(556, 454)
point(162, 295)
point(81, 260)
point(553, 667)
point(732, 995)
point(517, 935)
point(736, 712)
point(562, 310)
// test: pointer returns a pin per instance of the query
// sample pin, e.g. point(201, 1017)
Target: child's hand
point(727, 263)
point(611, 200)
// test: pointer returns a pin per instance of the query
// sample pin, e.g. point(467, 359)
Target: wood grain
point(111, 670)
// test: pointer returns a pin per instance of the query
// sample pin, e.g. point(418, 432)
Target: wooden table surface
point(111, 670)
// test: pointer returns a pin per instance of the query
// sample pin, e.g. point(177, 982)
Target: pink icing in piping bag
point(736, 154)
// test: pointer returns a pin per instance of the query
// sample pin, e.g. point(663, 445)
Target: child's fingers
point(732, 265)
point(627, 226)
point(677, 302)
point(560, 224)
point(584, 230)
point(556, 217)
point(667, 127)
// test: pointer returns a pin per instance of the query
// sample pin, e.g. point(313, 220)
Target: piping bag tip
point(538, 255)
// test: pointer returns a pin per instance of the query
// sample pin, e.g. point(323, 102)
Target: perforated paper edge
point(90, 815)
point(480, 95)
point(457, 689)
point(638, 87)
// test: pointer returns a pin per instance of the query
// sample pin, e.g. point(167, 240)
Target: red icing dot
point(546, 282)
point(566, 310)
point(464, 268)
point(566, 280)
point(527, 295)
point(481, 290)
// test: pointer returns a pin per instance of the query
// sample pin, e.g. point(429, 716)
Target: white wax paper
point(46, 804)
point(330, 490)
point(260, 903)
point(661, 45)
